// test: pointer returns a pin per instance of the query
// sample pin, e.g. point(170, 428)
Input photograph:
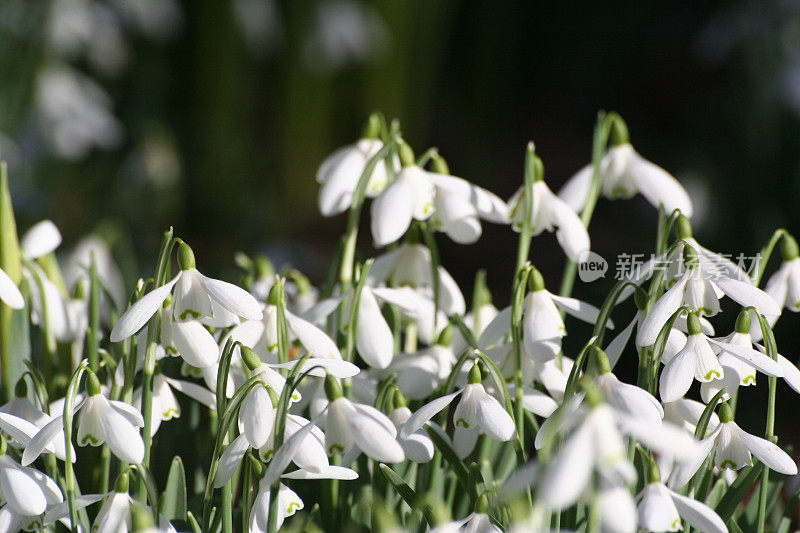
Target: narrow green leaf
point(173, 499)
point(737, 491)
point(406, 492)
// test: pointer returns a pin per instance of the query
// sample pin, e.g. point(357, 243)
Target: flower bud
point(690, 257)
point(475, 375)
point(21, 388)
point(743, 322)
point(482, 505)
point(274, 295)
point(725, 413)
point(619, 132)
point(264, 267)
point(683, 228)
point(332, 388)
point(789, 248)
point(122, 483)
point(536, 280)
point(372, 129)
point(92, 384)
point(693, 324)
point(406, 155)
point(601, 361)
point(446, 336)
point(250, 357)
point(439, 165)
point(185, 257)
point(398, 399)
point(641, 298)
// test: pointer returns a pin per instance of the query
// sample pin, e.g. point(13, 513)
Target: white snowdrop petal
point(230, 460)
point(677, 376)
point(233, 298)
point(655, 511)
point(392, 211)
point(20, 491)
point(754, 358)
point(576, 189)
point(61, 510)
point(659, 187)
point(791, 374)
point(130, 413)
point(41, 239)
point(581, 310)
point(257, 416)
point(493, 419)
point(9, 292)
point(768, 453)
point(195, 344)
point(568, 473)
point(425, 413)
point(617, 510)
point(328, 472)
point(374, 339)
point(699, 515)
point(195, 392)
point(286, 453)
point(746, 294)
point(140, 312)
point(570, 232)
point(663, 309)
point(122, 437)
point(312, 338)
point(375, 441)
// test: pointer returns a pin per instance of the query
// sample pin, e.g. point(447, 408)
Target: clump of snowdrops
point(380, 400)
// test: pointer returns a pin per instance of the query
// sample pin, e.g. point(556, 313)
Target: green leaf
point(457, 465)
point(173, 499)
point(736, 493)
point(406, 492)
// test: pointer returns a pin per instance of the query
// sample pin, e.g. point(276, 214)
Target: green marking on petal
point(189, 312)
point(91, 440)
point(728, 464)
point(463, 423)
point(335, 448)
point(711, 374)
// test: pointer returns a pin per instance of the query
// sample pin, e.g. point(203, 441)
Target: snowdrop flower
point(550, 213)
point(624, 397)
point(165, 404)
point(115, 514)
point(596, 444)
point(420, 373)
point(477, 412)
point(352, 425)
point(700, 292)
point(418, 446)
point(288, 504)
point(784, 285)
point(409, 197)
point(196, 297)
point(617, 509)
point(100, 421)
point(697, 360)
point(262, 334)
point(542, 325)
point(25, 490)
point(686, 413)
point(737, 371)
point(475, 522)
point(340, 172)
point(730, 446)
point(623, 173)
point(459, 205)
point(660, 508)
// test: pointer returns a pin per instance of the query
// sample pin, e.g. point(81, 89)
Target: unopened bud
point(372, 129)
point(332, 388)
point(693, 326)
point(185, 257)
point(250, 357)
point(406, 155)
point(683, 228)
point(743, 322)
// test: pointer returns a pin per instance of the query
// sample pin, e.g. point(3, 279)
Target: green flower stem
point(602, 132)
point(771, 348)
point(11, 265)
point(69, 475)
point(765, 254)
point(94, 316)
point(520, 286)
point(149, 366)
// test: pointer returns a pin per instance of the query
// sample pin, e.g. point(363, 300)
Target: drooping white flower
point(419, 374)
point(731, 447)
point(617, 509)
point(9, 293)
point(340, 172)
point(596, 444)
point(165, 404)
point(551, 213)
point(477, 412)
point(409, 197)
point(417, 446)
point(623, 173)
point(350, 425)
point(25, 490)
point(196, 296)
point(660, 508)
point(697, 360)
point(784, 284)
point(115, 514)
point(288, 504)
point(700, 292)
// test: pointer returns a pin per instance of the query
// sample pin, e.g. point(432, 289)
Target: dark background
point(228, 108)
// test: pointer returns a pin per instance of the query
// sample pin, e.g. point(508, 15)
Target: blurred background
point(123, 117)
